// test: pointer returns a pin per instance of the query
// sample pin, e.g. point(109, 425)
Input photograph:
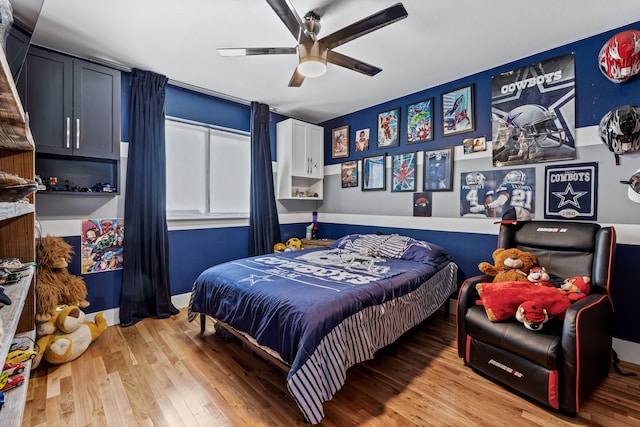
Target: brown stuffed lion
point(54, 285)
point(510, 265)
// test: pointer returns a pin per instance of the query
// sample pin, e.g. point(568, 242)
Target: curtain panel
point(145, 283)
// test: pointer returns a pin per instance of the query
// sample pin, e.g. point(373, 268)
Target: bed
point(318, 312)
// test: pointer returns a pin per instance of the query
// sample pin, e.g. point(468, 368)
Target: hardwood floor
point(164, 373)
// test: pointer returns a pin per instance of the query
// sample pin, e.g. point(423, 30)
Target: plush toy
point(66, 335)
point(54, 285)
point(509, 265)
point(539, 276)
point(532, 315)
point(576, 287)
point(501, 300)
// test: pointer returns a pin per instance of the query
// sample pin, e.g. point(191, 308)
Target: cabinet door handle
point(77, 134)
point(68, 131)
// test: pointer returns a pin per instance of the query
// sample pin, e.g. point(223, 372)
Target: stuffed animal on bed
point(509, 265)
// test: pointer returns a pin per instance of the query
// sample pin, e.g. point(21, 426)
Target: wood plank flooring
point(164, 373)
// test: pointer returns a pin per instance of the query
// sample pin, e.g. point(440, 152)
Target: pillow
point(394, 246)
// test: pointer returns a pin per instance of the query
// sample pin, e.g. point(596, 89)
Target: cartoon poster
point(102, 245)
point(489, 194)
point(571, 191)
point(533, 113)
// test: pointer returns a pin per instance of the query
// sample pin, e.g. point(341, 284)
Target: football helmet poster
point(533, 113)
point(489, 194)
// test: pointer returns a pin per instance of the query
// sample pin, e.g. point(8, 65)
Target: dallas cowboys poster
point(533, 113)
point(571, 191)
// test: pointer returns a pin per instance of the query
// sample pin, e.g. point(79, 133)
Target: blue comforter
point(289, 301)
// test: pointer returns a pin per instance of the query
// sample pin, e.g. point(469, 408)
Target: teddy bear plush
point(509, 265)
point(55, 285)
point(66, 335)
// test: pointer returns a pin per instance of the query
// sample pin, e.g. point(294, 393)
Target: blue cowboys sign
point(570, 191)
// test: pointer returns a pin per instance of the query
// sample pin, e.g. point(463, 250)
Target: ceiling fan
point(314, 53)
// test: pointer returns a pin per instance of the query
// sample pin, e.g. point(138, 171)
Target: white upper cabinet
point(300, 160)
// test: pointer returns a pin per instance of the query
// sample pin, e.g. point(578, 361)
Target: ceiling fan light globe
point(312, 59)
point(312, 67)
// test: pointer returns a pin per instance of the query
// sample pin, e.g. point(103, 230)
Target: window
point(208, 171)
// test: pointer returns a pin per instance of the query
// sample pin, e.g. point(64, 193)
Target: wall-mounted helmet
point(620, 130)
point(619, 58)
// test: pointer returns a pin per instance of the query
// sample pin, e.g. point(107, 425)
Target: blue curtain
point(264, 227)
point(145, 277)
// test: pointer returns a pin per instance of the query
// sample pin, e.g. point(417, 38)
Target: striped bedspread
point(322, 310)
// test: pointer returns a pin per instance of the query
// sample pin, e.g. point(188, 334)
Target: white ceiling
point(440, 41)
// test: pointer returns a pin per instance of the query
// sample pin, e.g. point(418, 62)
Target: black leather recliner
point(561, 364)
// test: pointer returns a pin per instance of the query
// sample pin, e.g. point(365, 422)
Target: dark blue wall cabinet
point(73, 105)
point(74, 109)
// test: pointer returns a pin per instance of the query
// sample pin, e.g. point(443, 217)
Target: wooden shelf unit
point(17, 233)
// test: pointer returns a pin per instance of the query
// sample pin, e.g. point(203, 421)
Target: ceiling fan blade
point(365, 26)
point(352, 64)
point(291, 19)
point(296, 79)
point(234, 51)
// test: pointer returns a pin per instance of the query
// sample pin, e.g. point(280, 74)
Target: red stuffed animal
point(501, 300)
point(531, 303)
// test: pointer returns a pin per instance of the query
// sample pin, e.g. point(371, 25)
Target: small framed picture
point(422, 204)
point(403, 172)
point(362, 140)
point(438, 169)
point(340, 141)
point(374, 173)
point(349, 175)
point(420, 121)
point(388, 122)
point(457, 111)
point(474, 145)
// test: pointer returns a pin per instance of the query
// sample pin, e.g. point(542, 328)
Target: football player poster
point(488, 194)
point(533, 113)
point(570, 191)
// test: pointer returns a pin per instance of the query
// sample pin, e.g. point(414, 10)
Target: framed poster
point(374, 173)
point(349, 174)
point(457, 111)
point(533, 113)
point(420, 121)
point(340, 142)
point(102, 242)
point(571, 191)
point(403, 172)
point(474, 145)
point(438, 170)
point(388, 122)
point(362, 140)
point(490, 193)
point(422, 204)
